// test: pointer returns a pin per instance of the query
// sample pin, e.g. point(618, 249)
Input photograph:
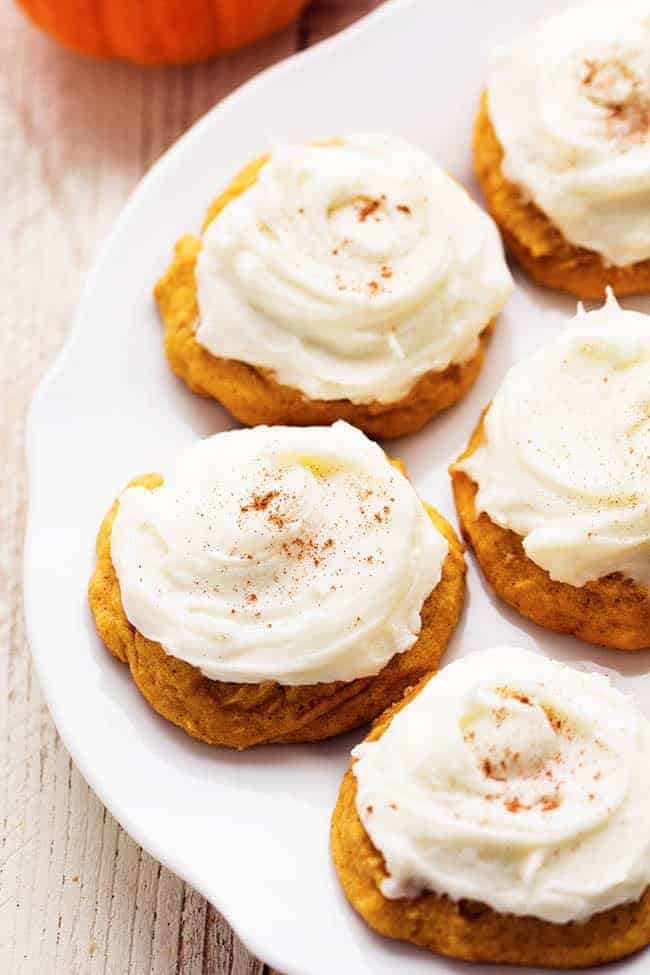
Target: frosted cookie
point(350, 280)
point(562, 148)
point(553, 491)
point(499, 813)
point(276, 584)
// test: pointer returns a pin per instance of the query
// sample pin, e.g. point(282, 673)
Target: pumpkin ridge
point(102, 27)
point(149, 7)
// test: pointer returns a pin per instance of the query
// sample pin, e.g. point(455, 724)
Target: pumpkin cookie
point(351, 280)
point(552, 491)
point(478, 818)
point(562, 149)
point(276, 585)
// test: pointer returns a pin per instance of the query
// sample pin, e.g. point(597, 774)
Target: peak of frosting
point(570, 103)
point(298, 555)
point(565, 461)
point(350, 268)
point(515, 781)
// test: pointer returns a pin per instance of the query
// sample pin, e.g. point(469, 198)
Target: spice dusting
point(369, 208)
point(611, 85)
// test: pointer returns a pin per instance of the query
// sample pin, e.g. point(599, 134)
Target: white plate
point(250, 831)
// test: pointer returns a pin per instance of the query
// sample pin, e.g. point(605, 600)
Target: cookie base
point(534, 241)
point(467, 929)
point(242, 715)
point(252, 394)
point(611, 612)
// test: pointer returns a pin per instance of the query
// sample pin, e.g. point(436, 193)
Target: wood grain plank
point(223, 952)
point(191, 943)
point(77, 895)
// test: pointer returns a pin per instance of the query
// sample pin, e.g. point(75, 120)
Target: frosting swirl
point(298, 555)
point(565, 462)
point(515, 781)
point(350, 269)
point(570, 103)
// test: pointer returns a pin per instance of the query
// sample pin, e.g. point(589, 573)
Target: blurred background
point(77, 896)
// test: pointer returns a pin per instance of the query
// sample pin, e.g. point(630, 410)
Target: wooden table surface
point(77, 895)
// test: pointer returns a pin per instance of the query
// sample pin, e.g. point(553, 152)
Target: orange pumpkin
point(160, 31)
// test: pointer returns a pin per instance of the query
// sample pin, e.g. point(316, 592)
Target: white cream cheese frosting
point(350, 269)
point(565, 461)
point(570, 104)
point(515, 781)
point(297, 555)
